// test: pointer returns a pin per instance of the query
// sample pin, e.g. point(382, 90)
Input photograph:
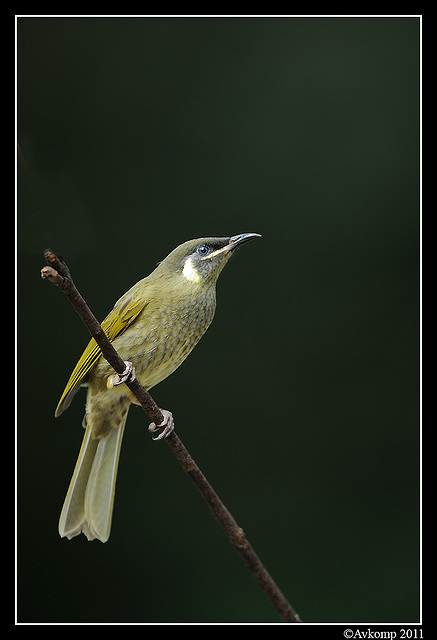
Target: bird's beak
point(235, 241)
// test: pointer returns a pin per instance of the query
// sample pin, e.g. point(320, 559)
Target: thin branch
point(58, 273)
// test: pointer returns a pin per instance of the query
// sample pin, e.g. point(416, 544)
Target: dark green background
point(301, 402)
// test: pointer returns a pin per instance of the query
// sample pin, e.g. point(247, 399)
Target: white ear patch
point(190, 272)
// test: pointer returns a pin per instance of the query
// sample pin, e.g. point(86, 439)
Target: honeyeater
point(154, 326)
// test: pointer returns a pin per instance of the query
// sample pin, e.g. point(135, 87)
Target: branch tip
point(57, 263)
point(50, 274)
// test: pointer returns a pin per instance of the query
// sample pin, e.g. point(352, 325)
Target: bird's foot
point(167, 425)
point(127, 376)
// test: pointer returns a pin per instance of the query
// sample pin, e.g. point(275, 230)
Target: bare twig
point(58, 273)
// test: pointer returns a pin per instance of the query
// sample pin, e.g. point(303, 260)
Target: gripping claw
point(167, 425)
point(127, 376)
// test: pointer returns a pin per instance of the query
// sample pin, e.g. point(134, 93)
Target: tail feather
point(90, 497)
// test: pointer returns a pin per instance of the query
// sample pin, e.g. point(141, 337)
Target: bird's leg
point(127, 376)
point(167, 425)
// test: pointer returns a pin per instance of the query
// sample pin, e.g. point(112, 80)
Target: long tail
point(90, 497)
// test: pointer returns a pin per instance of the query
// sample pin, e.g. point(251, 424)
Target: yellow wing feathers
point(125, 311)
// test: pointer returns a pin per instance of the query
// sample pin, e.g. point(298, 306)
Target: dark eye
point(202, 250)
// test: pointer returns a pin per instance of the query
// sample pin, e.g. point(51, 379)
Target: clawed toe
point(167, 425)
point(127, 376)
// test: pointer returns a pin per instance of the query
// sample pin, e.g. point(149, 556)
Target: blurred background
point(300, 404)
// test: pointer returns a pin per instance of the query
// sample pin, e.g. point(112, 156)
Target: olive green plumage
point(155, 325)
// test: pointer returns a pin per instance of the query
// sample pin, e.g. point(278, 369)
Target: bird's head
point(200, 261)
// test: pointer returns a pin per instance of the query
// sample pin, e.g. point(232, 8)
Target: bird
point(154, 326)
